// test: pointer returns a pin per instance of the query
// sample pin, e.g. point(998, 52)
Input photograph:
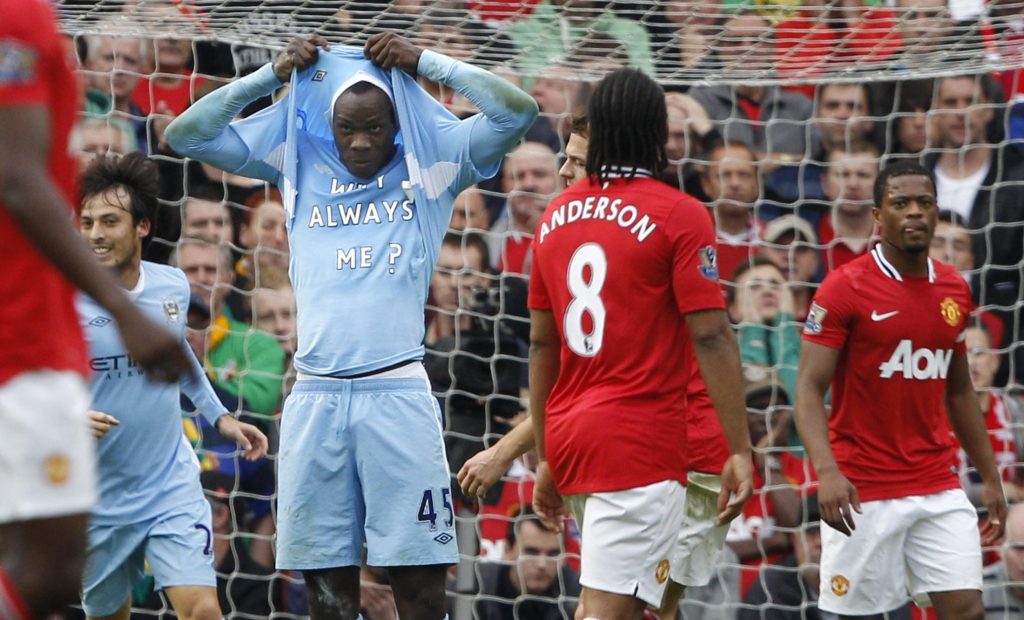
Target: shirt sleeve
point(694, 259)
point(538, 298)
point(22, 67)
point(196, 386)
point(506, 113)
point(830, 318)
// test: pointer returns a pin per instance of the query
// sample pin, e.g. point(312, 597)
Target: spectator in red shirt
point(732, 184)
point(171, 86)
point(850, 230)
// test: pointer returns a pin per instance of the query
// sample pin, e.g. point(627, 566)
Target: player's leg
point(47, 473)
point(628, 541)
point(944, 556)
point(194, 602)
point(419, 591)
point(864, 574)
point(123, 613)
point(333, 593)
point(179, 550)
point(410, 521)
point(116, 563)
point(674, 592)
point(41, 563)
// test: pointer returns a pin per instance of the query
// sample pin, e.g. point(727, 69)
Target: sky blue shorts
point(363, 460)
point(178, 547)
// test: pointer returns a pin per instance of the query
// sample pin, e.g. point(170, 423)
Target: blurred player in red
point(624, 277)
point(886, 332)
point(47, 461)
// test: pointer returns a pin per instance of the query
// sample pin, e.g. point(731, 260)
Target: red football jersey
point(619, 267)
point(836, 252)
point(897, 335)
point(38, 323)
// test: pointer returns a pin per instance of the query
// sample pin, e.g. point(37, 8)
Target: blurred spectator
point(169, 85)
point(1004, 417)
point(732, 186)
point(533, 582)
point(263, 234)
point(761, 305)
point(470, 211)
point(765, 118)
point(788, 590)
point(207, 218)
point(951, 243)
point(461, 270)
point(243, 585)
point(100, 136)
point(561, 94)
point(759, 534)
point(498, 13)
point(1003, 593)
point(908, 130)
point(273, 310)
point(791, 243)
point(112, 69)
point(558, 28)
point(684, 42)
point(688, 127)
point(926, 28)
point(848, 183)
point(984, 185)
point(841, 117)
point(530, 178)
point(247, 363)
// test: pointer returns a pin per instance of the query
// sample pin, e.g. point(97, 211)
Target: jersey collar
point(140, 285)
point(891, 272)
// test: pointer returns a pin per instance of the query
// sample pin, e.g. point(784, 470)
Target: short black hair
point(900, 169)
point(628, 125)
point(526, 513)
point(464, 240)
point(952, 217)
point(134, 173)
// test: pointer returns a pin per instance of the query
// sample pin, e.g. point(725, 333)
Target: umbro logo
point(881, 317)
point(444, 538)
point(319, 76)
point(100, 321)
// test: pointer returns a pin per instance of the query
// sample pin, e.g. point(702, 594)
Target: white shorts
point(48, 459)
point(628, 538)
point(700, 539)
point(915, 545)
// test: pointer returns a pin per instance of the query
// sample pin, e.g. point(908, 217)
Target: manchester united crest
point(950, 311)
point(57, 469)
point(840, 585)
point(661, 573)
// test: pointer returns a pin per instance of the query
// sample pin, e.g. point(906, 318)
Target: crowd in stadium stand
point(786, 171)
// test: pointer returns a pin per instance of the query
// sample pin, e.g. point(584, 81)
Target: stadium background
point(895, 50)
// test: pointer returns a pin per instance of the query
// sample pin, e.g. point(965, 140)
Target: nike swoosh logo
point(881, 317)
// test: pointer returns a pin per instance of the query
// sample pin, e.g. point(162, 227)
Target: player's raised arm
point(719, 359)
point(837, 497)
point(204, 130)
point(506, 111)
point(968, 423)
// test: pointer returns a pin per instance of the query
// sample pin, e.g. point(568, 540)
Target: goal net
point(812, 98)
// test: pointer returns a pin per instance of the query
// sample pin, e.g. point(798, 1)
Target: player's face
point(273, 311)
point(536, 553)
point(106, 225)
point(267, 235)
point(908, 213)
point(951, 244)
point(981, 359)
point(960, 115)
point(470, 211)
point(207, 220)
point(849, 181)
point(364, 131)
point(575, 167)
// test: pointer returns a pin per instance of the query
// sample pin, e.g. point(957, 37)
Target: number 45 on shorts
point(427, 514)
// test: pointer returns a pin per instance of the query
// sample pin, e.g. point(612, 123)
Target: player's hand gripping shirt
point(146, 466)
point(362, 250)
point(897, 335)
point(38, 325)
point(619, 267)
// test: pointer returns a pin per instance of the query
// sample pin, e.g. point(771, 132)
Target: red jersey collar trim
point(888, 270)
